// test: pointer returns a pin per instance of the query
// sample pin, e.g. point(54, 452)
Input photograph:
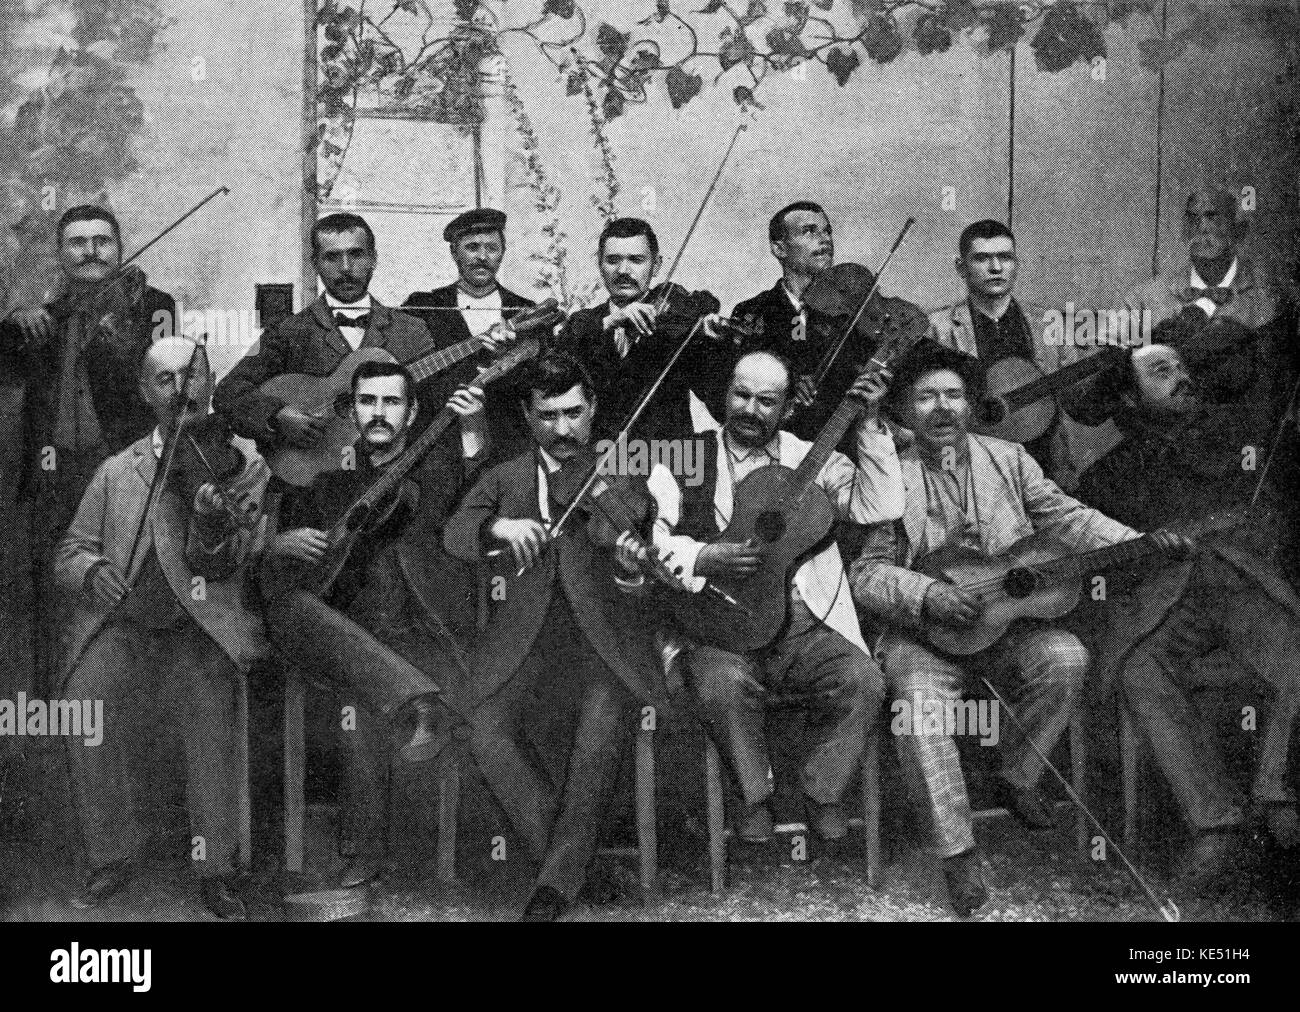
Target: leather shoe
point(358, 871)
point(964, 876)
point(1024, 803)
point(1207, 859)
point(431, 735)
point(755, 824)
point(829, 821)
point(219, 895)
point(546, 904)
point(102, 883)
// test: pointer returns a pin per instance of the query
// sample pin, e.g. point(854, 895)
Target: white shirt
point(353, 335)
point(800, 332)
point(1195, 281)
point(480, 315)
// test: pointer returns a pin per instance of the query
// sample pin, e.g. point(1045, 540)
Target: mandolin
point(373, 508)
point(1035, 578)
point(330, 397)
point(1018, 403)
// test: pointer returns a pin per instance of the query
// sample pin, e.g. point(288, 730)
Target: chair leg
point(716, 816)
point(647, 841)
point(295, 762)
point(871, 806)
point(1079, 776)
point(448, 811)
point(1128, 750)
point(243, 801)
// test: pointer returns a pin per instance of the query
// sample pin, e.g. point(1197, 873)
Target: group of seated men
point(476, 593)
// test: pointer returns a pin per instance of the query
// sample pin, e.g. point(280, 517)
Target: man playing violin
point(562, 636)
point(626, 341)
point(314, 341)
point(820, 658)
point(390, 633)
point(79, 359)
point(160, 633)
point(987, 494)
point(1158, 632)
point(991, 325)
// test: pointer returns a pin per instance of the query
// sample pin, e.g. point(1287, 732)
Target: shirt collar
point(1196, 281)
point(362, 305)
point(738, 453)
point(551, 464)
point(794, 299)
point(157, 442)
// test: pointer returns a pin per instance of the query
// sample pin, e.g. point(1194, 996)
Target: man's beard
point(748, 430)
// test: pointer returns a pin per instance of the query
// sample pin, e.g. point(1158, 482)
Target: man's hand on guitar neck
point(947, 604)
point(1173, 544)
point(870, 388)
point(498, 338)
point(298, 428)
point(306, 544)
point(729, 559)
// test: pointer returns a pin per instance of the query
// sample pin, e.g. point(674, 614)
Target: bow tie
point(1220, 295)
point(362, 321)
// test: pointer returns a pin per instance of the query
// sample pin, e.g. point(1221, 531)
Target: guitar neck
point(1044, 386)
point(829, 438)
point(1099, 558)
point(435, 362)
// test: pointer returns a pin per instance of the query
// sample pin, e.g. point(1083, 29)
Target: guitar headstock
point(546, 315)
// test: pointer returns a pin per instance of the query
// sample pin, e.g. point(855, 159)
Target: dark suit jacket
point(571, 565)
point(309, 342)
point(620, 382)
point(114, 375)
point(509, 433)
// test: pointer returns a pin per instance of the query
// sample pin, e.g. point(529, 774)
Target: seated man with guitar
point(758, 525)
point(562, 633)
point(1181, 460)
point(154, 562)
point(992, 325)
point(625, 342)
point(380, 610)
point(933, 580)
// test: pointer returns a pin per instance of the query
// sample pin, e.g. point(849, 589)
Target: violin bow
point(699, 213)
point(1288, 416)
point(169, 455)
point(828, 360)
point(646, 397)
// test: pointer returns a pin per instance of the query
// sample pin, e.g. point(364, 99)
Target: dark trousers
point(1221, 608)
point(372, 678)
point(818, 670)
point(559, 828)
point(155, 682)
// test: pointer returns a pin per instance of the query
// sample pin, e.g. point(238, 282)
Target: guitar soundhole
point(769, 526)
point(343, 405)
point(991, 411)
point(1020, 583)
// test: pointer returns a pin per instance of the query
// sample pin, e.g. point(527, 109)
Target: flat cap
point(481, 219)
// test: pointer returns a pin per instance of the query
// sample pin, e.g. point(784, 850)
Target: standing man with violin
point(79, 359)
point(314, 341)
point(564, 619)
point(819, 656)
point(990, 324)
point(987, 494)
point(1181, 461)
point(627, 340)
point(390, 632)
point(160, 632)
point(476, 304)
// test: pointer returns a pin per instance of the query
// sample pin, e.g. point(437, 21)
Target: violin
point(838, 292)
point(678, 310)
point(206, 455)
point(1221, 354)
point(615, 505)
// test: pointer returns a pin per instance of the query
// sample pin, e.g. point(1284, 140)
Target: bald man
point(160, 634)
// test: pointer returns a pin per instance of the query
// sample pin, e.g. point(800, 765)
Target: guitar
point(789, 515)
point(330, 397)
point(380, 500)
point(1033, 579)
point(1018, 405)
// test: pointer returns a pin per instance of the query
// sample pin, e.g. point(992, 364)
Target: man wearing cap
point(474, 304)
point(981, 493)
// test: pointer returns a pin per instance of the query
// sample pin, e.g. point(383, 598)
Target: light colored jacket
point(104, 528)
point(1015, 501)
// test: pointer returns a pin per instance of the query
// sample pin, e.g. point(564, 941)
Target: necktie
point(362, 321)
point(1219, 295)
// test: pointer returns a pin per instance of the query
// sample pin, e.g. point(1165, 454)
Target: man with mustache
point(314, 341)
point(390, 633)
point(474, 305)
point(821, 656)
point(78, 358)
point(562, 638)
point(625, 344)
point(1181, 461)
point(987, 494)
point(159, 632)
